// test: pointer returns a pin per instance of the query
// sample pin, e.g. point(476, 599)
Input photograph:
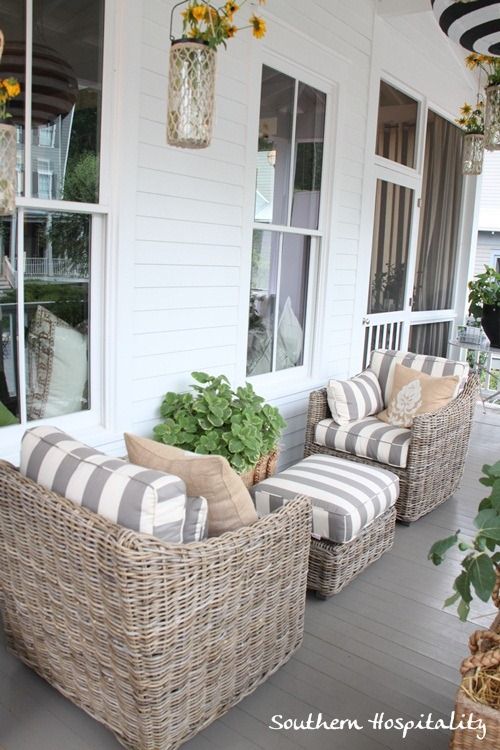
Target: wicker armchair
point(436, 456)
point(153, 640)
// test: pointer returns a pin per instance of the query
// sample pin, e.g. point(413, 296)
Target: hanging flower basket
point(7, 169)
point(191, 94)
point(492, 118)
point(473, 153)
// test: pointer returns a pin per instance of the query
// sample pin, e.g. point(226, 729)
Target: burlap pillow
point(415, 393)
point(229, 503)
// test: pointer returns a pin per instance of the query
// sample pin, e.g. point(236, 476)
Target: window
point(396, 126)
point(47, 250)
point(286, 232)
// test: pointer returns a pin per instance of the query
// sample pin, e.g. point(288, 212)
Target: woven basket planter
point(7, 169)
point(472, 162)
point(492, 118)
point(191, 94)
point(265, 467)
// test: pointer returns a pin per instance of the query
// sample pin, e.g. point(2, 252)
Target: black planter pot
point(491, 324)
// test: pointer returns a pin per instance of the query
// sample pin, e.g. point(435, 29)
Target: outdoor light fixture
point(473, 24)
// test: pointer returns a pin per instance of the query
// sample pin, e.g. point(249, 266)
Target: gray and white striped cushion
point(129, 495)
point(366, 438)
point(383, 363)
point(356, 398)
point(196, 523)
point(346, 497)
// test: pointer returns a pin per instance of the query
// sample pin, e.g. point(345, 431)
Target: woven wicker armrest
point(154, 640)
point(441, 429)
point(318, 409)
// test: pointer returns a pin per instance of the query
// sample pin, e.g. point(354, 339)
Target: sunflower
point(231, 31)
point(472, 61)
point(231, 8)
point(12, 87)
point(465, 109)
point(198, 12)
point(258, 26)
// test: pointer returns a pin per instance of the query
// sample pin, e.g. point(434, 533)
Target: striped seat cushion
point(383, 363)
point(346, 497)
point(356, 398)
point(366, 438)
point(140, 499)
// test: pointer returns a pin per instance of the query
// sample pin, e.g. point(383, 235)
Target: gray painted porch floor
point(382, 645)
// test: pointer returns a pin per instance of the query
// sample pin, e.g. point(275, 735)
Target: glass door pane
point(397, 125)
point(391, 239)
point(440, 216)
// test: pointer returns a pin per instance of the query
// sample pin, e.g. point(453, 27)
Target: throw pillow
point(415, 393)
point(356, 398)
point(229, 503)
point(58, 372)
point(140, 499)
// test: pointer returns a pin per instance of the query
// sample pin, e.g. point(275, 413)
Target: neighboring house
point(345, 109)
point(488, 241)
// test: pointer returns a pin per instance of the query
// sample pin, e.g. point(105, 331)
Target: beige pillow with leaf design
point(415, 393)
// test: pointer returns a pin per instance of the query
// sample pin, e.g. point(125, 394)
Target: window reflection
point(397, 125)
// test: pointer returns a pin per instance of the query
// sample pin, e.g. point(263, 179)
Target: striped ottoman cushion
point(140, 499)
point(366, 438)
point(346, 497)
point(383, 363)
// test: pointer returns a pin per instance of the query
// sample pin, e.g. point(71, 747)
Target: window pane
point(263, 287)
point(292, 301)
point(397, 125)
point(391, 237)
point(431, 338)
point(440, 216)
point(67, 76)
point(9, 376)
point(56, 293)
point(278, 273)
point(309, 138)
point(274, 147)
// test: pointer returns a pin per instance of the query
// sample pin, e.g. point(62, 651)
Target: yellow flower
point(3, 96)
point(12, 87)
point(198, 12)
point(259, 26)
point(231, 31)
point(472, 61)
point(231, 9)
point(465, 109)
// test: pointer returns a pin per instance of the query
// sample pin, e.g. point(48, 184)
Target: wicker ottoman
point(353, 512)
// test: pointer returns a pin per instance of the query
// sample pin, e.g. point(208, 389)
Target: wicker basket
point(265, 467)
point(481, 669)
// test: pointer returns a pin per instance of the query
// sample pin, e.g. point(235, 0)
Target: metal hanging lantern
point(473, 24)
point(473, 154)
point(7, 161)
point(191, 91)
point(492, 118)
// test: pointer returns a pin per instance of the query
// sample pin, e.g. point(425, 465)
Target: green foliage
point(482, 558)
point(484, 290)
point(217, 420)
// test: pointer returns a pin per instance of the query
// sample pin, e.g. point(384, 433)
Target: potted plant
point(484, 302)
point(216, 419)
point(491, 66)
point(479, 692)
point(191, 82)
point(471, 121)
point(9, 89)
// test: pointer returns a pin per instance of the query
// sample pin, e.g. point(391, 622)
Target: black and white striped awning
point(474, 24)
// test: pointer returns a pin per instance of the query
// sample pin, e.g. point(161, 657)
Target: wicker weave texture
point(264, 468)
point(153, 640)
point(332, 566)
point(436, 456)
point(467, 739)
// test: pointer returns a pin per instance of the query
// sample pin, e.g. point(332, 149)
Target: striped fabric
point(196, 523)
point(473, 25)
point(356, 398)
point(346, 497)
point(366, 438)
point(129, 495)
point(383, 363)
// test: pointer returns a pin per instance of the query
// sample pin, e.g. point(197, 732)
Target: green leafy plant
point(484, 290)
point(482, 553)
point(472, 117)
point(214, 419)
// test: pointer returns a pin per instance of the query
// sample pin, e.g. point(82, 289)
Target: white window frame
point(50, 131)
point(274, 384)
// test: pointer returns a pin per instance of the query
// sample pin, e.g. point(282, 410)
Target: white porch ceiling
point(402, 7)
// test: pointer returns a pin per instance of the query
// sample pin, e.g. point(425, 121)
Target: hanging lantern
point(191, 94)
point(492, 118)
point(473, 24)
point(472, 162)
point(7, 169)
